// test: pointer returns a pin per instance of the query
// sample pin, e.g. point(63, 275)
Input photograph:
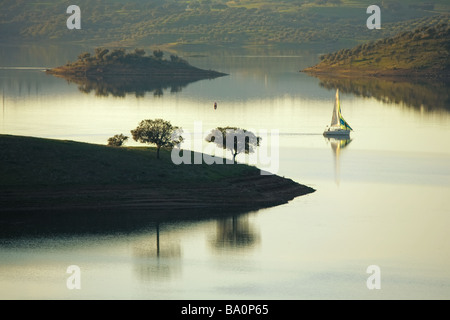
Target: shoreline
point(191, 73)
point(398, 74)
point(44, 177)
point(248, 193)
point(98, 210)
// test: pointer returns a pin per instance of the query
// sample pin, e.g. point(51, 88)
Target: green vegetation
point(117, 62)
point(422, 52)
point(54, 176)
point(158, 132)
point(213, 22)
point(117, 141)
point(243, 141)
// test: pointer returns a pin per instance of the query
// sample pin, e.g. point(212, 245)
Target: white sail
point(338, 127)
point(335, 116)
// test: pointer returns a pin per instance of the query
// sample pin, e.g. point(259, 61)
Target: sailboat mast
point(338, 105)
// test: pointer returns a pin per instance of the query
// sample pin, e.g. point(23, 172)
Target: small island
point(106, 64)
point(422, 53)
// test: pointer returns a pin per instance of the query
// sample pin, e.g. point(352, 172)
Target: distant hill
point(213, 22)
point(422, 52)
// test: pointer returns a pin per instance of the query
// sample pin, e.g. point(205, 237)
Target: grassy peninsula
point(422, 53)
point(43, 177)
point(106, 64)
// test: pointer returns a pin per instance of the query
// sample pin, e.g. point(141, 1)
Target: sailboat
point(338, 127)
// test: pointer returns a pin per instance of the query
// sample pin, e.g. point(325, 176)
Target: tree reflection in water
point(156, 259)
point(235, 232)
point(122, 85)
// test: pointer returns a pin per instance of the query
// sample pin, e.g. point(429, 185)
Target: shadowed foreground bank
point(42, 178)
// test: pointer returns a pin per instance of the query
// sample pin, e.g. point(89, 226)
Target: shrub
point(117, 141)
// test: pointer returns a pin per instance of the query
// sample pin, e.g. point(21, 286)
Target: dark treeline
point(104, 56)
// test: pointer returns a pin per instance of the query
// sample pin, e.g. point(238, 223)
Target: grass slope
point(28, 161)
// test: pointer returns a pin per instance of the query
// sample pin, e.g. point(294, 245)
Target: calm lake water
point(382, 198)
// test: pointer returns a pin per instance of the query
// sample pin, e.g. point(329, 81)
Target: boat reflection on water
point(337, 144)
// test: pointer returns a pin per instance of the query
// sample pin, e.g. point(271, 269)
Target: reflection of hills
point(426, 95)
point(119, 86)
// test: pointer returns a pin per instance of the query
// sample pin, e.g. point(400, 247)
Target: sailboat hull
point(336, 133)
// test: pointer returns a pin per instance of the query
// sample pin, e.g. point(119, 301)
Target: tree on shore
point(158, 54)
point(117, 141)
point(139, 52)
point(158, 132)
point(83, 56)
point(235, 139)
point(100, 53)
